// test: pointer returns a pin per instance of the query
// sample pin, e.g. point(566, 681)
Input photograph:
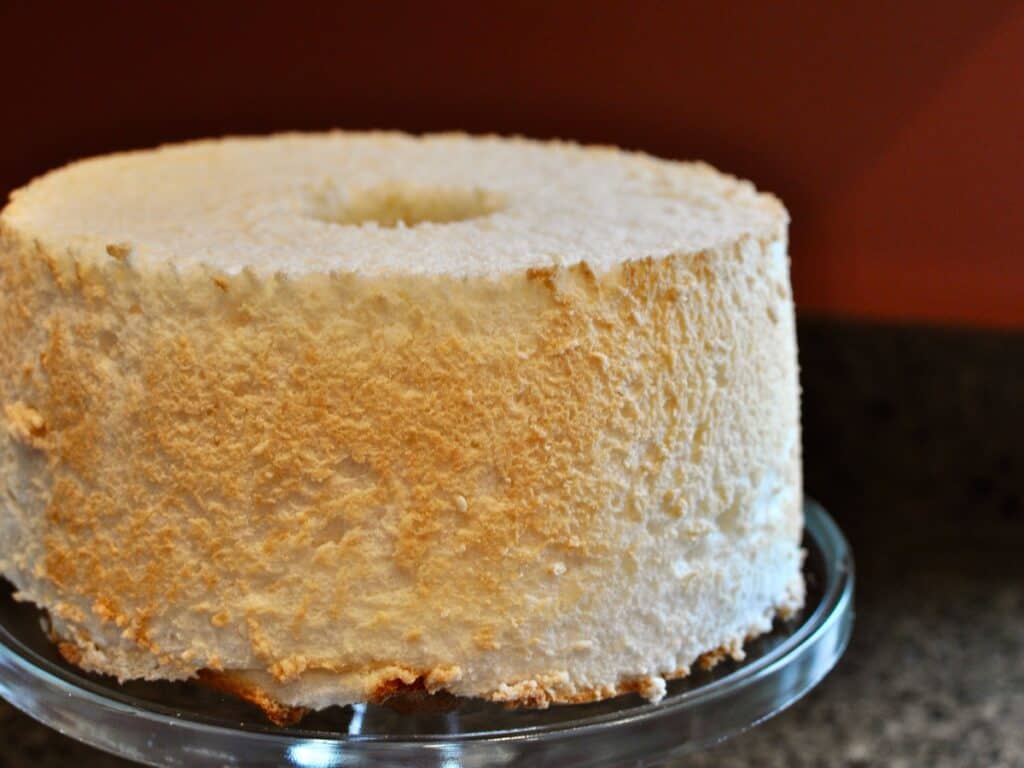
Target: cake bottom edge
point(420, 691)
point(424, 691)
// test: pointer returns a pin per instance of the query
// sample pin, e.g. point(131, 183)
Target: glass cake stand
point(184, 724)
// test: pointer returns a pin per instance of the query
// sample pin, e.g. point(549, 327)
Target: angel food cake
point(324, 417)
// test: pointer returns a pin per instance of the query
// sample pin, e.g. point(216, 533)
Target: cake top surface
point(379, 203)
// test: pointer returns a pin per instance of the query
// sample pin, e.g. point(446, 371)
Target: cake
point(322, 418)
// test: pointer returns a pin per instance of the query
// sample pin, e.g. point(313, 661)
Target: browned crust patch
point(227, 682)
point(414, 698)
point(70, 653)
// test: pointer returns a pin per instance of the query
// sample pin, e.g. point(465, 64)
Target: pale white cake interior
point(331, 414)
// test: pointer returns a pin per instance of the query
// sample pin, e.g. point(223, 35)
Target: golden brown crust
point(70, 653)
point(336, 472)
point(279, 714)
point(189, 434)
point(414, 697)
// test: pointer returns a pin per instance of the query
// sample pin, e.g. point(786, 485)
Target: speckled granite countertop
point(934, 677)
point(914, 440)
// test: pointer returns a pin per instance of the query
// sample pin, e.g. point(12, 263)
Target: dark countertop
point(934, 677)
point(913, 441)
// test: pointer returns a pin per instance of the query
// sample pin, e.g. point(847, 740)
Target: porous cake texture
point(322, 417)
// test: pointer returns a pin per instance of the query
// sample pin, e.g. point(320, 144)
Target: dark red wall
point(892, 131)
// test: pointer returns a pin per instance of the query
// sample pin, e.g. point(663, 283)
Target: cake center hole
point(402, 205)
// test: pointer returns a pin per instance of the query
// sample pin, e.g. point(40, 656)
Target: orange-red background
point(894, 132)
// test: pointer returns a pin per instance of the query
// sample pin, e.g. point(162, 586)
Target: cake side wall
point(562, 477)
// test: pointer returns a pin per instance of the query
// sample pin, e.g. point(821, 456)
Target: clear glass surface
point(174, 724)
